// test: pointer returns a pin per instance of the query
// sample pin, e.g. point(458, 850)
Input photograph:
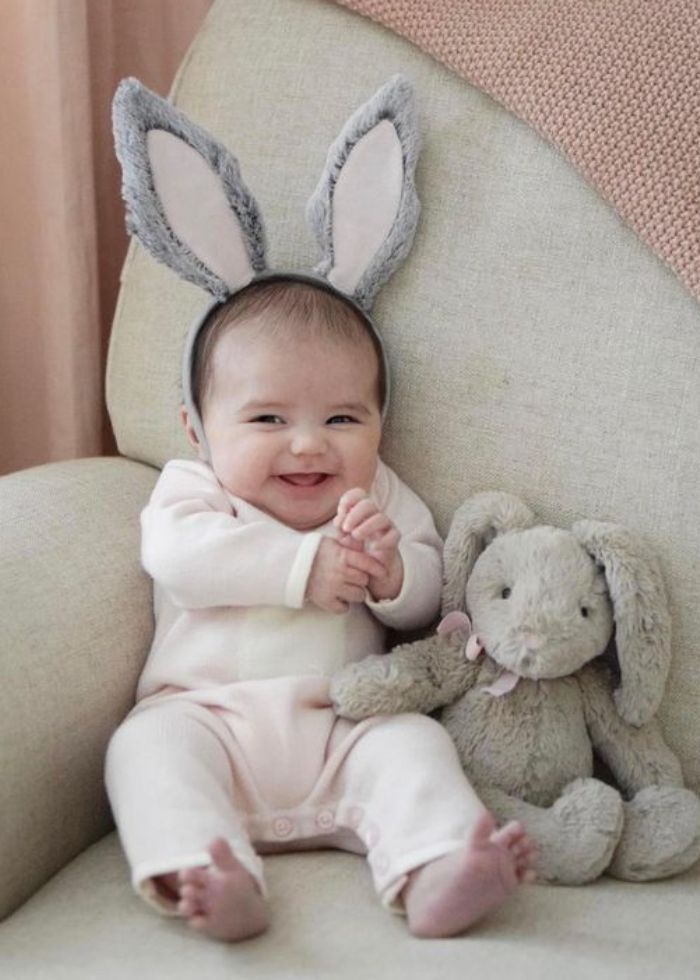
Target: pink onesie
point(234, 735)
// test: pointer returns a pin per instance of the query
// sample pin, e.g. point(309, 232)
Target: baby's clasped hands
point(363, 525)
point(343, 571)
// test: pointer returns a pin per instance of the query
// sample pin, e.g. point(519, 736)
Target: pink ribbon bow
point(473, 648)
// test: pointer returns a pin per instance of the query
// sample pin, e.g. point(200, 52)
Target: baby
point(280, 554)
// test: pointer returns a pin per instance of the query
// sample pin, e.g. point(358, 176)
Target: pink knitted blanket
point(614, 84)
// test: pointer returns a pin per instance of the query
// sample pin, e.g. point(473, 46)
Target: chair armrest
point(76, 614)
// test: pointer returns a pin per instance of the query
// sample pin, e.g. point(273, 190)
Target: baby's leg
point(432, 846)
point(170, 781)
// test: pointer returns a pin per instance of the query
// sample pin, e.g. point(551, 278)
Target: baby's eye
point(585, 611)
point(505, 593)
point(268, 419)
point(341, 420)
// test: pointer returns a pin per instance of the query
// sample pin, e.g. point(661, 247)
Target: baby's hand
point(361, 522)
point(339, 576)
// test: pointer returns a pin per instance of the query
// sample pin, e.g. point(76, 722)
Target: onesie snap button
point(372, 835)
point(355, 815)
point(282, 827)
point(325, 819)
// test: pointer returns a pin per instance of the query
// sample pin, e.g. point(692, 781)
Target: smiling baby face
point(292, 415)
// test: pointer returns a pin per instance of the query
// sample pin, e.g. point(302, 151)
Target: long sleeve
point(197, 548)
point(421, 552)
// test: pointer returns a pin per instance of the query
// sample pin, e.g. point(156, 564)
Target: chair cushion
point(77, 622)
point(327, 922)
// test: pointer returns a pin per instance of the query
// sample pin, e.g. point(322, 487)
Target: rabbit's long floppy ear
point(186, 202)
point(475, 524)
point(365, 209)
point(642, 617)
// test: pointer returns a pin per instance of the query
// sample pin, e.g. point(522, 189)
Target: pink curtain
point(62, 239)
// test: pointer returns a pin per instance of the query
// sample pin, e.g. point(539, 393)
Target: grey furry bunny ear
point(365, 209)
point(185, 199)
point(474, 525)
point(642, 617)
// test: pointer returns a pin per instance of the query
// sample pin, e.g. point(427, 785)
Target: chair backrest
point(537, 345)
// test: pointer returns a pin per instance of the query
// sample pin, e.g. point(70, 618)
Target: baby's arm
point(197, 549)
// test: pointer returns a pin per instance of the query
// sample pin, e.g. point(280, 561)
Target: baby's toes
point(523, 850)
point(508, 836)
point(198, 921)
point(525, 858)
point(191, 900)
point(193, 876)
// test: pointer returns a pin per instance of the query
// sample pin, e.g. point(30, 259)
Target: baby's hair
point(310, 311)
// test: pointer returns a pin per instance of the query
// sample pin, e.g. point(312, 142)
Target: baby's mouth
point(304, 479)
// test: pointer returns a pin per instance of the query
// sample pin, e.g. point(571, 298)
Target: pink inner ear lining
point(365, 203)
point(454, 621)
point(474, 648)
point(196, 208)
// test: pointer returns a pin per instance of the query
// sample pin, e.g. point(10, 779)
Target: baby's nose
point(308, 441)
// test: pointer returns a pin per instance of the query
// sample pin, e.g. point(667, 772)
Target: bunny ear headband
point(187, 204)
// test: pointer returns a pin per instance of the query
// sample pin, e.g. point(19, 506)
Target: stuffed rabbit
point(536, 689)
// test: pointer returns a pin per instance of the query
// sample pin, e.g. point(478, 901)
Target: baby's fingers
point(364, 562)
point(351, 593)
point(387, 542)
point(349, 499)
point(375, 526)
point(358, 515)
point(347, 541)
point(354, 576)
point(384, 550)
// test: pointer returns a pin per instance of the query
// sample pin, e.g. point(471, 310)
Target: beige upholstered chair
point(538, 347)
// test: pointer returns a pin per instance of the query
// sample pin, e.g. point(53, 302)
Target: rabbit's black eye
point(584, 612)
point(505, 593)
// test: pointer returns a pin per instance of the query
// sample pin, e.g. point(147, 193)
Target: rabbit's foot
point(583, 830)
point(661, 835)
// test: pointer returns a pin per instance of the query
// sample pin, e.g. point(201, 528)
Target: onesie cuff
point(299, 575)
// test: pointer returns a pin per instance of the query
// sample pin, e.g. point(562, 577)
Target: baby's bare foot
point(222, 900)
point(448, 895)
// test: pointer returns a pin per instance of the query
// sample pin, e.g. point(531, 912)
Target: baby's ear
point(190, 431)
point(365, 209)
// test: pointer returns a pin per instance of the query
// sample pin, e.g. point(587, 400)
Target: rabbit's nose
point(533, 641)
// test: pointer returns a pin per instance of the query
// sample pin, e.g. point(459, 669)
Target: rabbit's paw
point(370, 687)
point(661, 835)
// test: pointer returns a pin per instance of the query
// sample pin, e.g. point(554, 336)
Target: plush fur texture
point(546, 604)
point(394, 101)
point(136, 111)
